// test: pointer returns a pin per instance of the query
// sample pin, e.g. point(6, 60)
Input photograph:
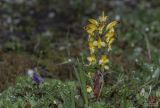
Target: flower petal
point(95, 43)
point(103, 44)
point(93, 21)
point(92, 26)
point(111, 25)
point(89, 88)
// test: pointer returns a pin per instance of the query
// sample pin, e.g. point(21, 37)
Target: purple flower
point(36, 78)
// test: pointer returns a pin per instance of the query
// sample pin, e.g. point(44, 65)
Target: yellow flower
point(106, 67)
point(103, 18)
point(91, 59)
point(111, 25)
point(95, 25)
point(110, 43)
point(93, 21)
point(99, 43)
point(91, 47)
point(89, 88)
point(103, 60)
point(90, 38)
point(100, 28)
point(110, 37)
point(92, 26)
point(90, 29)
point(102, 23)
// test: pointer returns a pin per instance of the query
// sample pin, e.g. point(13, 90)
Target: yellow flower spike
point(103, 18)
point(103, 60)
point(89, 89)
point(111, 25)
point(93, 21)
point(91, 59)
point(100, 34)
point(91, 47)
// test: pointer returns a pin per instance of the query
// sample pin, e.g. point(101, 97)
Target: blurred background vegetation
point(49, 35)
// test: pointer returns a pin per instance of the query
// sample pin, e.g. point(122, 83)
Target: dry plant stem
point(100, 90)
point(98, 84)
